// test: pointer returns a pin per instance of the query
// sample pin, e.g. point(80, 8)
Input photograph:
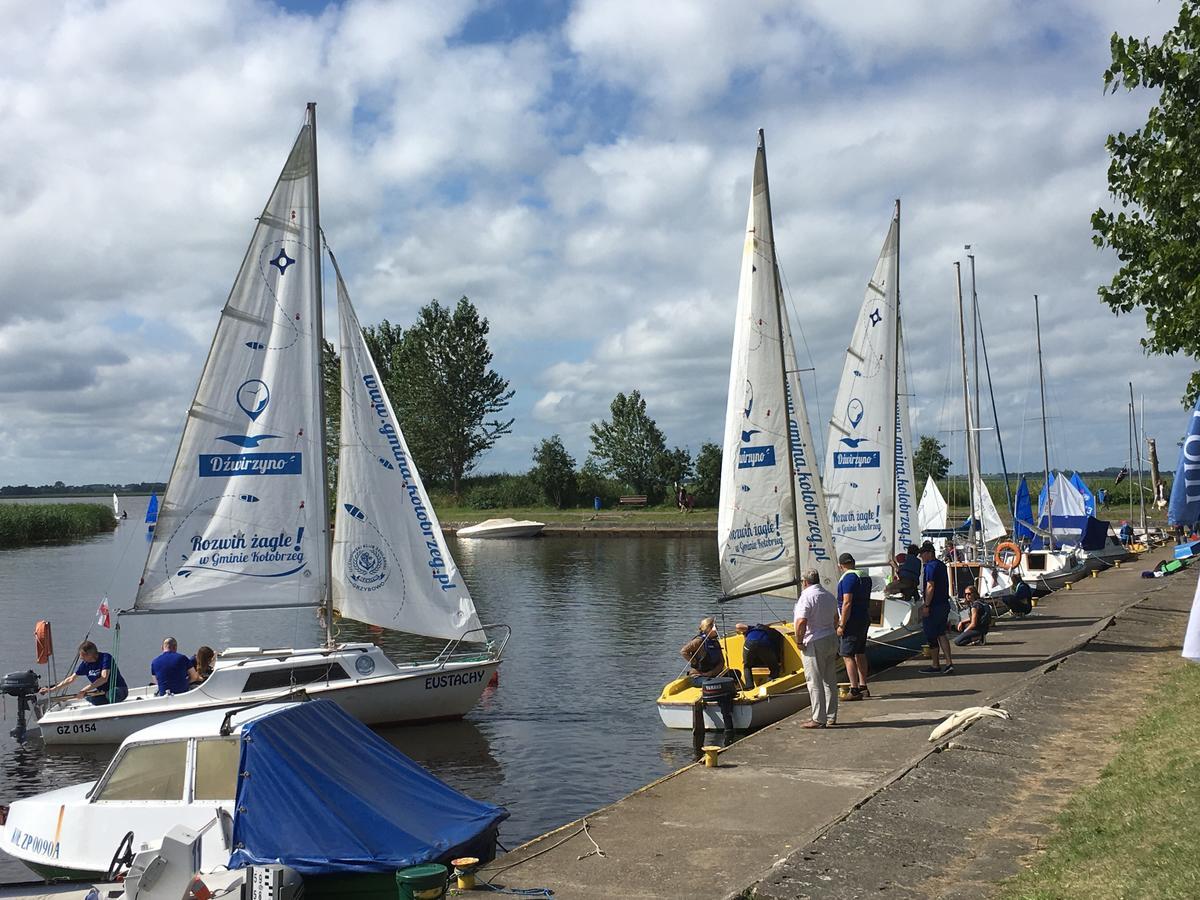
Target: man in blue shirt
point(172, 670)
point(1020, 602)
point(763, 647)
point(935, 611)
point(854, 619)
point(98, 668)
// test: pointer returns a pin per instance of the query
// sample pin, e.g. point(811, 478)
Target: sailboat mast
point(1037, 322)
point(897, 388)
point(319, 325)
point(780, 312)
point(962, 335)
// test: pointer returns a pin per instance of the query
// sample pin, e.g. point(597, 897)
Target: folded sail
point(756, 527)
point(1023, 512)
point(932, 510)
point(391, 566)
point(243, 520)
point(864, 438)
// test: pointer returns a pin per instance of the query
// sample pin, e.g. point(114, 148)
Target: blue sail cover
point(1023, 516)
point(324, 794)
point(1083, 531)
point(1089, 499)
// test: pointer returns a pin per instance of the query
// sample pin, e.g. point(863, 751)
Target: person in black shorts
point(854, 618)
point(935, 611)
point(974, 628)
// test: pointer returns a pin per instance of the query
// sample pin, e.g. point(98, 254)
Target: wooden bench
point(632, 500)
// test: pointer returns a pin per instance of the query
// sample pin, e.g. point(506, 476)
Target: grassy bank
point(1136, 832)
point(29, 523)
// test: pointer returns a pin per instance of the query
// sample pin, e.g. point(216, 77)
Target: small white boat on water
point(502, 528)
point(258, 785)
point(244, 521)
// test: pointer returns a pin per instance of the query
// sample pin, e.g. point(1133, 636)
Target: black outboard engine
point(720, 691)
point(24, 687)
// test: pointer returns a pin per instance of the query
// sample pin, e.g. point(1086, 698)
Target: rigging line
point(788, 305)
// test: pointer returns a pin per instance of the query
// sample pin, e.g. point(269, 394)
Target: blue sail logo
point(253, 397)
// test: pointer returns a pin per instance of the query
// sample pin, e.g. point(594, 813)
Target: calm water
point(597, 623)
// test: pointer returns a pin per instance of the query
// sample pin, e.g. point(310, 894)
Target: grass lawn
point(1137, 832)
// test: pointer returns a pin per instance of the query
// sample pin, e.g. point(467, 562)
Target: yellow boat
point(769, 700)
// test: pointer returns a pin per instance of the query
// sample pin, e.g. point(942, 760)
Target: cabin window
point(275, 679)
point(216, 769)
point(1036, 562)
point(148, 772)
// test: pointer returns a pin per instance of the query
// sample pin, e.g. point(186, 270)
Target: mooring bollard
point(710, 756)
point(464, 872)
point(843, 690)
point(1094, 573)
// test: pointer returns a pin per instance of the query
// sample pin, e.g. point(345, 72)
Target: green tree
point(383, 341)
point(443, 389)
point(708, 474)
point(930, 460)
point(1154, 174)
point(629, 446)
point(675, 466)
point(554, 471)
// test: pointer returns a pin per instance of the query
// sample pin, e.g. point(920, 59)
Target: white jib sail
point(756, 528)
point(932, 512)
point(391, 566)
point(243, 522)
point(985, 512)
point(1066, 498)
point(860, 460)
point(812, 517)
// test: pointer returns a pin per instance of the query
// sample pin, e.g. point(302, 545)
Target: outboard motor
point(721, 691)
point(24, 687)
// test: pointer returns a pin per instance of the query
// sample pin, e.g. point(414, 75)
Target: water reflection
point(572, 725)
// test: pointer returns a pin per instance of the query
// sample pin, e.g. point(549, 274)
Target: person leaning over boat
point(97, 668)
point(974, 629)
point(815, 619)
point(907, 568)
point(935, 611)
point(854, 620)
point(703, 653)
point(172, 670)
point(762, 646)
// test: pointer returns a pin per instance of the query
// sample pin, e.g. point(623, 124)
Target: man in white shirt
point(816, 616)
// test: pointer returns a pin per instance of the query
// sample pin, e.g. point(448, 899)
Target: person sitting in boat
point(203, 663)
point(703, 653)
point(1020, 601)
point(1126, 534)
point(172, 670)
point(974, 629)
point(762, 646)
point(97, 668)
point(907, 569)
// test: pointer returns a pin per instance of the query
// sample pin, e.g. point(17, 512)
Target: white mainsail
point(760, 549)
point(868, 432)
point(932, 511)
point(116, 507)
point(391, 566)
point(243, 521)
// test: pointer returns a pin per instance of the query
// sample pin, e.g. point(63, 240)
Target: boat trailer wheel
point(122, 858)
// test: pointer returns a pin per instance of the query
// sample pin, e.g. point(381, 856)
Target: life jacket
point(711, 656)
point(44, 641)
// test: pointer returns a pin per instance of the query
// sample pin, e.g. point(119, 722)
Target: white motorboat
point(502, 528)
point(249, 783)
point(244, 521)
point(1047, 570)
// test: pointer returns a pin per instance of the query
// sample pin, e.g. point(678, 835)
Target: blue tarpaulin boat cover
point(322, 793)
point(1081, 531)
point(1023, 516)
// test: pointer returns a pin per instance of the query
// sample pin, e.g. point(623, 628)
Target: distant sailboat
point(116, 508)
point(152, 512)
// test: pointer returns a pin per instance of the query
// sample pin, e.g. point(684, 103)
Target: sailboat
point(244, 523)
point(116, 508)
point(868, 457)
point(771, 523)
point(152, 512)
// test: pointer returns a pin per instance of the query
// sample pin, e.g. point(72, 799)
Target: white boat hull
point(747, 714)
point(502, 528)
point(396, 695)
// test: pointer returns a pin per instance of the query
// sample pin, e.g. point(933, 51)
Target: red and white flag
point(102, 616)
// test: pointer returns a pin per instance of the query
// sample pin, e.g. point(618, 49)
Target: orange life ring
point(44, 641)
point(1005, 549)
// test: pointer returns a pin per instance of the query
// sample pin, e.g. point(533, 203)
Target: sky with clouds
point(581, 171)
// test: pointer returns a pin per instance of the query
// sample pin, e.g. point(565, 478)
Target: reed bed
point(30, 523)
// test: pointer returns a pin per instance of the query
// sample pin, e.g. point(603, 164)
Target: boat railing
point(493, 646)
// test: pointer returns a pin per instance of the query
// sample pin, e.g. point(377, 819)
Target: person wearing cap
point(703, 653)
point(1020, 601)
point(935, 611)
point(854, 620)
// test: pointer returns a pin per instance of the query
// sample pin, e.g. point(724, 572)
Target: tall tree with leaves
point(708, 474)
point(554, 471)
point(629, 446)
point(1154, 174)
point(444, 390)
point(675, 466)
point(930, 460)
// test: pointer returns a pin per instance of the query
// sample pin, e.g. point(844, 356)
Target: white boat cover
point(391, 566)
point(756, 522)
point(243, 520)
point(1065, 499)
point(932, 510)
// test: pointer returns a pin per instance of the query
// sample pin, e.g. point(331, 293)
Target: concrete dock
point(767, 821)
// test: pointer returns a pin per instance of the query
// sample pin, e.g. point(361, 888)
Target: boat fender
point(1008, 555)
point(43, 641)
